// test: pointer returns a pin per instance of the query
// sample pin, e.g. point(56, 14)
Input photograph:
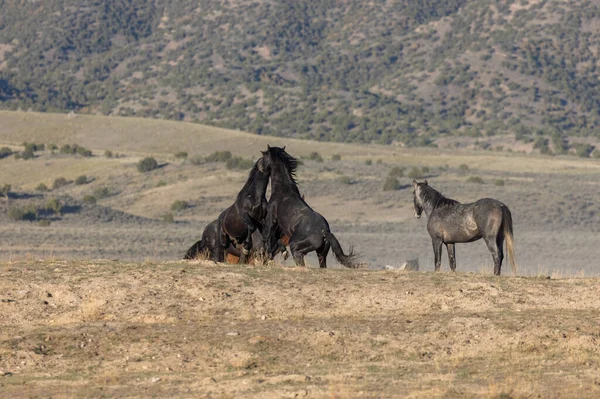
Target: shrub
point(346, 180)
point(425, 170)
point(219, 156)
point(41, 187)
point(415, 173)
point(197, 160)
point(5, 152)
point(179, 206)
point(181, 155)
point(369, 162)
point(27, 154)
point(44, 223)
point(475, 179)
point(391, 183)
point(5, 190)
point(53, 205)
point(396, 171)
point(108, 154)
point(27, 212)
point(81, 180)
point(82, 151)
point(102, 192)
point(463, 167)
point(168, 218)
point(147, 164)
point(66, 149)
point(336, 157)
point(315, 156)
point(499, 182)
point(161, 183)
point(59, 182)
point(89, 199)
point(52, 147)
point(239, 163)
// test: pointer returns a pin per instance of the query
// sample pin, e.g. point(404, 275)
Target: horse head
point(417, 200)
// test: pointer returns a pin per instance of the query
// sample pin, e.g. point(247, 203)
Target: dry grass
point(178, 329)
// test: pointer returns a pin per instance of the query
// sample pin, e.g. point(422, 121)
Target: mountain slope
point(340, 71)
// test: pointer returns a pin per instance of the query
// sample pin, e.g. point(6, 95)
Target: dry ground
point(110, 329)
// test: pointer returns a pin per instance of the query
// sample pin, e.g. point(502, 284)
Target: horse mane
point(434, 198)
point(279, 156)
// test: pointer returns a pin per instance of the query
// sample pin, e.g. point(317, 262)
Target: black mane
point(279, 156)
point(434, 198)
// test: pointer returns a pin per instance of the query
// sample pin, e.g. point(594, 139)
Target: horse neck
point(256, 184)
point(431, 201)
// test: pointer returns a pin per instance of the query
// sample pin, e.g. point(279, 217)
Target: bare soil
point(175, 329)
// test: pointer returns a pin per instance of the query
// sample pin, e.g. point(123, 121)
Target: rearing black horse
point(237, 223)
point(451, 222)
point(289, 214)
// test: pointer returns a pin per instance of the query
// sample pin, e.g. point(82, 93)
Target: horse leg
point(322, 255)
point(451, 256)
point(247, 244)
point(497, 254)
point(437, 253)
point(299, 249)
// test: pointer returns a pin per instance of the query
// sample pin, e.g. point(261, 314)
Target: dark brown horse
point(208, 246)
point(290, 215)
point(237, 223)
point(450, 222)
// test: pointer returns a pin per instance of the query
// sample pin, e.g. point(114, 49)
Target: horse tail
point(195, 250)
point(508, 234)
point(348, 260)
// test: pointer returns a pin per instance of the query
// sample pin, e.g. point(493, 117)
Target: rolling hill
point(352, 71)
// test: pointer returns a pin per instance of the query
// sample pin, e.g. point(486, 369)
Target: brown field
point(179, 329)
point(97, 304)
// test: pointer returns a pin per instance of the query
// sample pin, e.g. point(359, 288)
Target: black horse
point(451, 222)
point(237, 223)
point(289, 214)
point(209, 246)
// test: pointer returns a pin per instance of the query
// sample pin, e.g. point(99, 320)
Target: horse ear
point(268, 147)
point(414, 183)
point(260, 165)
point(426, 183)
point(283, 148)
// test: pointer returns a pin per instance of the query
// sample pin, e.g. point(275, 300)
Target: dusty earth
point(199, 329)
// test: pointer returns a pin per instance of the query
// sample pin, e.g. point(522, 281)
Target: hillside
point(111, 210)
point(354, 71)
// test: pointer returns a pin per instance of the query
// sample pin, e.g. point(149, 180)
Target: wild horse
point(237, 223)
point(288, 213)
point(450, 222)
point(209, 246)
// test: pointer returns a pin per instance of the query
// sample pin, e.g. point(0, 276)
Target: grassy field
point(179, 329)
point(551, 198)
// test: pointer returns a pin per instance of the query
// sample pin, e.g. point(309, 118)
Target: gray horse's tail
point(508, 234)
point(348, 260)
point(195, 250)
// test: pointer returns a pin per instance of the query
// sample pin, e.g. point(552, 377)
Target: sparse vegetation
point(336, 157)
point(81, 180)
point(5, 190)
point(219, 156)
point(475, 179)
point(102, 192)
point(499, 182)
point(397, 171)
point(239, 163)
point(59, 182)
point(27, 212)
point(89, 199)
point(108, 154)
point(463, 168)
point(346, 180)
point(168, 218)
point(41, 188)
point(5, 152)
point(147, 164)
point(181, 155)
point(415, 173)
point(54, 206)
point(197, 160)
point(179, 206)
point(369, 162)
point(391, 183)
point(315, 156)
